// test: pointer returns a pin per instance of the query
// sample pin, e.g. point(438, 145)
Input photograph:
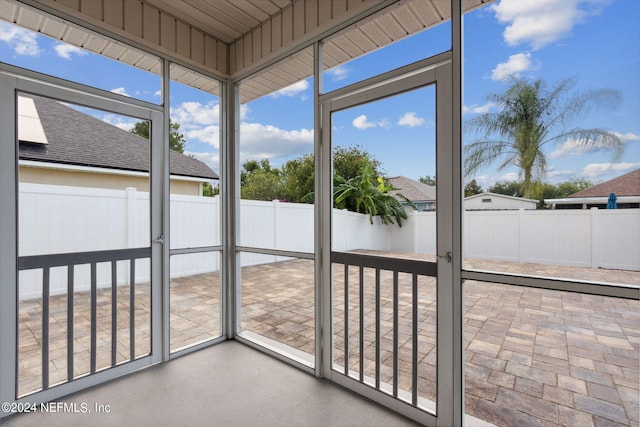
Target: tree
point(529, 118)
point(371, 196)
point(176, 139)
point(260, 181)
point(567, 188)
point(472, 188)
point(558, 191)
point(541, 190)
point(209, 191)
point(508, 188)
point(429, 180)
point(357, 182)
point(348, 162)
point(355, 165)
point(298, 178)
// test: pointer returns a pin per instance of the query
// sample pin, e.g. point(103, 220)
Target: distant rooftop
point(74, 138)
point(412, 189)
point(624, 185)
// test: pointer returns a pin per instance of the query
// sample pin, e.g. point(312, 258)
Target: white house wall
point(498, 203)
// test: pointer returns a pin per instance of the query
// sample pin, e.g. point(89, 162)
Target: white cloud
point(192, 114)
point(22, 41)
point(510, 176)
point(410, 119)
point(244, 111)
point(198, 121)
point(338, 73)
point(486, 181)
point(478, 109)
point(208, 134)
point(594, 170)
point(361, 122)
point(157, 93)
point(120, 91)
point(65, 50)
point(627, 137)
point(259, 141)
point(575, 146)
point(541, 22)
point(555, 174)
point(571, 146)
point(121, 122)
point(292, 90)
point(515, 65)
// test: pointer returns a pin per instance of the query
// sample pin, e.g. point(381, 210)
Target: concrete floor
point(229, 384)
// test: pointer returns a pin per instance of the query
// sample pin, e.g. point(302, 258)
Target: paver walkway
point(533, 357)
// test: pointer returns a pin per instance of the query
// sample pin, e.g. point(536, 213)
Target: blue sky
point(597, 42)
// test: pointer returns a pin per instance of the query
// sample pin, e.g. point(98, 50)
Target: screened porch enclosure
point(146, 227)
point(512, 334)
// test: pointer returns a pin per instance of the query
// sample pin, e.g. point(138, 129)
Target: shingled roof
point(78, 139)
point(624, 185)
point(412, 189)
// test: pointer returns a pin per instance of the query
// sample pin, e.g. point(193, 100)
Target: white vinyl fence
point(58, 219)
point(597, 238)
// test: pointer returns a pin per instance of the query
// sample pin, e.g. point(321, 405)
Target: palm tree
point(367, 194)
point(528, 119)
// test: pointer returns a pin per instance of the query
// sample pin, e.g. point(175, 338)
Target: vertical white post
point(132, 216)
point(520, 232)
point(218, 223)
point(413, 220)
point(217, 219)
point(346, 226)
point(131, 228)
point(592, 240)
point(276, 240)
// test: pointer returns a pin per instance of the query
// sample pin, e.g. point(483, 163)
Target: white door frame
point(433, 71)
point(12, 81)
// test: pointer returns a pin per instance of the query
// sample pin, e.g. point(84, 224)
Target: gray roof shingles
point(79, 139)
point(624, 185)
point(412, 189)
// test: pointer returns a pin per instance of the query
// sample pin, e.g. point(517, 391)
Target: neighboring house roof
point(624, 185)
point(75, 138)
point(415, 191)
point(500, 196)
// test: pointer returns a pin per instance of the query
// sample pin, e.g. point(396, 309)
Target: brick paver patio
point(533, 357)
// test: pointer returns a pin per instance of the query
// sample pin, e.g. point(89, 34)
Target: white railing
point(58, 219)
